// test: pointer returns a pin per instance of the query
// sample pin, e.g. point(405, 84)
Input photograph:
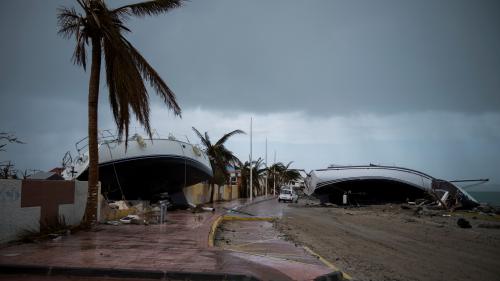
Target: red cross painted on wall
point(48, 195)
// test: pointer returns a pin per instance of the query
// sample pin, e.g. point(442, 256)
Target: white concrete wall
point(14, 219)
point(73, 213)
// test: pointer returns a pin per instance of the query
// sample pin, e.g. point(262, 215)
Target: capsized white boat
point(375, 183)
point(146, 168)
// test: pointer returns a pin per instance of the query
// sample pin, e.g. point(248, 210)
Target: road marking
point(238, 218)
point(327, 263)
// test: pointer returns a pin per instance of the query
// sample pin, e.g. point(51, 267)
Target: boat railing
point(67, 159)
point(104, 136)
point(107, 137)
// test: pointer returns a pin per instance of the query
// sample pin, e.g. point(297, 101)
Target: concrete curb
point(118, 273)
point(213, 230)
point(344, 275)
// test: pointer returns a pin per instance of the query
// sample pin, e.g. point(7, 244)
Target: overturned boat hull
point(145, 168)
point(377, 184)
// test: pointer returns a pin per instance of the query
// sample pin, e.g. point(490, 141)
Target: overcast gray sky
point(410, 83)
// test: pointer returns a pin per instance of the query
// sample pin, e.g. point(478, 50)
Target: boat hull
point(145, 177)
point(146, 168)
point(380, 184)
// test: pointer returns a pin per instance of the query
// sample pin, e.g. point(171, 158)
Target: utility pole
point(251, 165)
point(274, 174)
point(267, 171)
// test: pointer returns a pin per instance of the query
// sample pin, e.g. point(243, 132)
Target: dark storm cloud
point(363, 62)
point(327, 57)
point(330, 56)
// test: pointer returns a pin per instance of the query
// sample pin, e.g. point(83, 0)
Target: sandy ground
point(389, 243)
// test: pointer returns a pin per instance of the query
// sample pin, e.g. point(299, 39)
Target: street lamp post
point(274, 174)
point(251, 168)
point(267, 171)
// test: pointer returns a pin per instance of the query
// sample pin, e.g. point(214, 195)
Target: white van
point(287, 194)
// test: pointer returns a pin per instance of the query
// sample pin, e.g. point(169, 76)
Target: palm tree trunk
point(93, 180)
point(212, 192)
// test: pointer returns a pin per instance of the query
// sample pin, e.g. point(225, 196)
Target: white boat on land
point(374, 183)
point(146, 168)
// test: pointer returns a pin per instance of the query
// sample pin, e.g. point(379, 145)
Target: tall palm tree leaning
point(220, 157)
point(102, 29)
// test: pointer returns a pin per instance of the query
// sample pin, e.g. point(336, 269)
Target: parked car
point(288, 195)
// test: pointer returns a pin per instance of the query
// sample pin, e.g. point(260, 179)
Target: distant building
point(58, 170)
point(45, 176)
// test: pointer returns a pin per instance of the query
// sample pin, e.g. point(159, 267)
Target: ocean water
point(484, 192)
point(490, 197)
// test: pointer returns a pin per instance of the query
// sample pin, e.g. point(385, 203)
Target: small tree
point(7, 170)
point(220, 157)
point(6, 138)
point(258, 173)
point(281, 174)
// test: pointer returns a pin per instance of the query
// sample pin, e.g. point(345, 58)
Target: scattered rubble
point(128, 219)
point(119, 205)
point(463, 223)
point(238, 211)
point(134, 212)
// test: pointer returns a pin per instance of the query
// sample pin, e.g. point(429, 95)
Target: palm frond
point(224, 138)
point(126, 87)
point(156, 82)
point(72, 24)
point(204, 141)
point(69, 21)
point(80, 53)
point(148, 8)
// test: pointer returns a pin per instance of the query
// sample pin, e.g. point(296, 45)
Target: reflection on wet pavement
point(260, 242)
point(180, 245)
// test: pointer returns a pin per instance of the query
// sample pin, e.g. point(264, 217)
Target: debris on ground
point(137, 221)
point(378, 227)
point(425, 211)
point(142, 212)
point(200, 208)
point(488, 209)
point(321, 205)
point(129, 218)
point(238, 211)
point(118, 205)
point(463, 223)
point(489, 225)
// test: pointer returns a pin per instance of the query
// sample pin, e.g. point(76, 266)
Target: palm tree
point(220, 157)
point(102, 29)
point(282, 174)
point(258, 172)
